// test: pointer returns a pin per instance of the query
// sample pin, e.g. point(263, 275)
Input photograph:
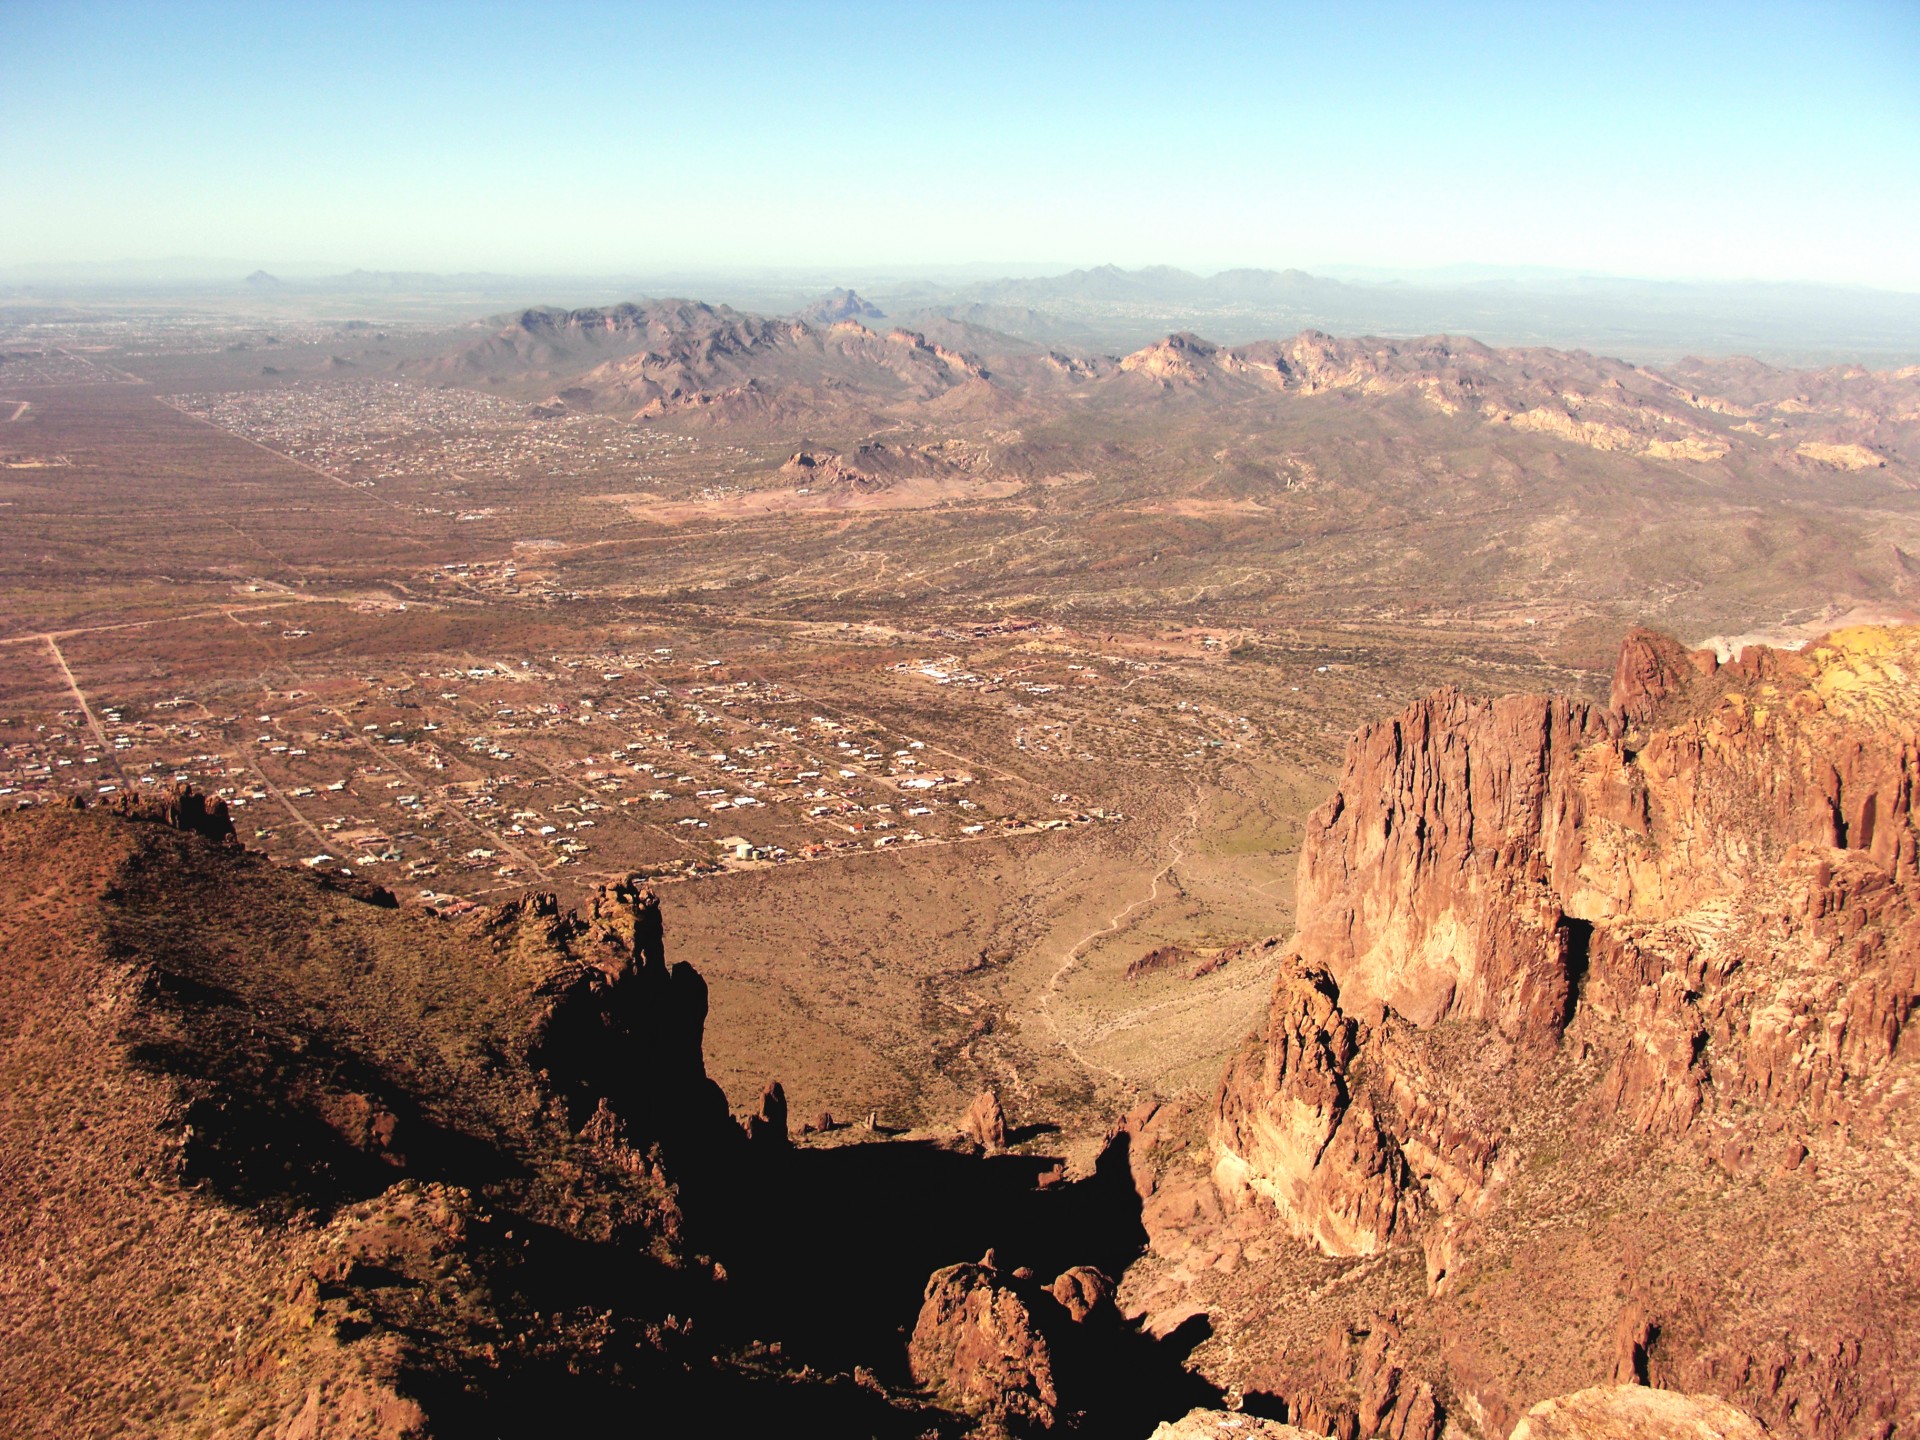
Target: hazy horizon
point(194, 270)
point(1708, 143)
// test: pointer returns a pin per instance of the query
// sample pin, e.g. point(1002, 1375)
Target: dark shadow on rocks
point(1264, 1406)
point(829, 1251)
point(1576, 948)
point(280, 1119)
point(1188, 1336)
point(651, 1393)
point(1020, 1134)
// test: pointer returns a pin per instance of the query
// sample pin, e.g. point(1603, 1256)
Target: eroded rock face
point(1633, 1412)
point(985, 1122)
point(1427, 883)
point(1304, 1144)
point(614, 1022)
point(1690, 917)
point(184, 808)
point(978, 1346)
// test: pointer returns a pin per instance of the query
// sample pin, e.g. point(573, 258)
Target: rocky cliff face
point(297, 1161)
point(1575, 397)
point(614, 1024)
point(1681, 930)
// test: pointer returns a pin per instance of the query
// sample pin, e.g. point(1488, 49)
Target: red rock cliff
point(1688, 921)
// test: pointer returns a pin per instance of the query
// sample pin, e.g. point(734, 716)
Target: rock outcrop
point(768, 1124)
point(1017, 1355)
point(1428, 882)
point(1350, 1197)
point(1227, 1425)
point(614, 1023)
point(876, 466)
point(978, 1346)
point(1682, 929)
point(1633, 1412)
point(184, 808)
point(985, 1122)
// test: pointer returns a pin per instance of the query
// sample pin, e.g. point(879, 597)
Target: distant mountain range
point(1641, 320)
point(722, 366)
point(1107, 308)
point(1161, 285)
point(841, 304)
point(681, 355)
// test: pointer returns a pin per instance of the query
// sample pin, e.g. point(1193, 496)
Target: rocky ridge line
point(1699, 907)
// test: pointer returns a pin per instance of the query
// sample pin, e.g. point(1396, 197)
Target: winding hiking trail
point(1113, 925)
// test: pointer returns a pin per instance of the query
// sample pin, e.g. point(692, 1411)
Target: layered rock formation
point(1581, 399)
point(1541, 940)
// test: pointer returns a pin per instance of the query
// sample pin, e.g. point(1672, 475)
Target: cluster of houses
point(494, 773)
point(370, 432)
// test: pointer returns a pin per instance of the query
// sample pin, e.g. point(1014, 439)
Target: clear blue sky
point(1748, 140)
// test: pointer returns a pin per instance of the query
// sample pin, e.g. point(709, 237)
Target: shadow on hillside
point(561, 1283)
point(829, 1251)
point(279, 1119)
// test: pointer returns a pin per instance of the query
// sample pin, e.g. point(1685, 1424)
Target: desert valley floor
point(963, 701)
